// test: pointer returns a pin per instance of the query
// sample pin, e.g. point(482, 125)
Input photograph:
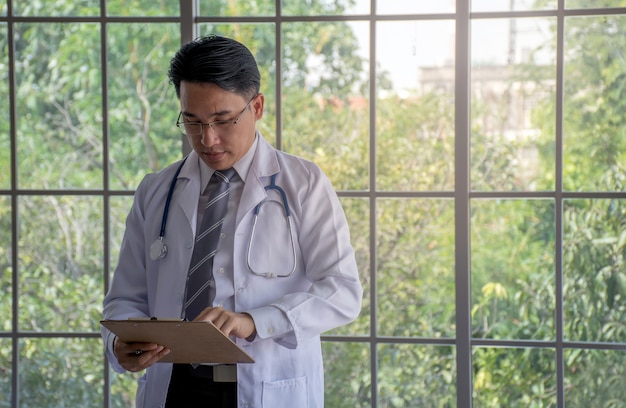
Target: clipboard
point(189, 342)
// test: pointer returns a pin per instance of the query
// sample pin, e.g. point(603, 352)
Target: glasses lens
point(222, 125)
point(192, 128)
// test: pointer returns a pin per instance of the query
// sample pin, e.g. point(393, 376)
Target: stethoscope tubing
point(168, 200)
point(257, 208)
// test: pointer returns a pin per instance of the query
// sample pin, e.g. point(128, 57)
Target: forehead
point(207, 96)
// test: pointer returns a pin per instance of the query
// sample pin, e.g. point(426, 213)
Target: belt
point(216, 373)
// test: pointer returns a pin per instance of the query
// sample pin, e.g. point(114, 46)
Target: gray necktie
point(199, 278)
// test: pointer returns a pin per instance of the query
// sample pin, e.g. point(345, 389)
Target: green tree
point(593, 238)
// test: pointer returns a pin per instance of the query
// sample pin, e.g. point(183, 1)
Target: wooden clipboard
point(189, 342)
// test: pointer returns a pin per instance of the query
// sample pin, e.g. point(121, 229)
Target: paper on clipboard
point(189, 342)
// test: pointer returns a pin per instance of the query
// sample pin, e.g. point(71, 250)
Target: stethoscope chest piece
point(158, 249)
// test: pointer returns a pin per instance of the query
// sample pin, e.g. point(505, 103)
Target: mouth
point(214, 155)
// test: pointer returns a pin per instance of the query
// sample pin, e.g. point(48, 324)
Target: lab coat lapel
point(264, 164)
point(187, 197)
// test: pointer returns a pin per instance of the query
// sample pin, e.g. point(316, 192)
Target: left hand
point(230, 323)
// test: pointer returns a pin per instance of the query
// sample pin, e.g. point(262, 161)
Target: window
point(478, 150)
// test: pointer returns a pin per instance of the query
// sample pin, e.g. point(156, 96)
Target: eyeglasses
point(218, 126)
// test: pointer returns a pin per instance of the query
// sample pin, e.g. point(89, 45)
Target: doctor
point(274, 290)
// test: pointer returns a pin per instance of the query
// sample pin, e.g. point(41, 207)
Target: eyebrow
point(213, 115)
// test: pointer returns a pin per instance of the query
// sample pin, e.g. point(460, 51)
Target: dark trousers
point(194, 388)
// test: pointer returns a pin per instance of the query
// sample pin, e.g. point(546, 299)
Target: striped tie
point(199, 278)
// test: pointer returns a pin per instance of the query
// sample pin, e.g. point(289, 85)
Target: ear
point(257, 106)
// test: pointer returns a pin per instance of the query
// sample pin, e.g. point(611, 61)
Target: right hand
point(135, 357)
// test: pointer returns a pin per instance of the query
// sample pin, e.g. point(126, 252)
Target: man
point(273, 287)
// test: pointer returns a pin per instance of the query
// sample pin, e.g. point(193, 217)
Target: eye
point(222, 124)
point(193, 127)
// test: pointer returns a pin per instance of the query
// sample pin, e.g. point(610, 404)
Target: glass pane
point(56, 8)
point(594, 282)
point(60, 263)
point(514, 377)
point(581, 4)
point(59, 105)
point(3, 8)
point(60, 372)
point(233, 8)
point(357, 212)
point(142, 8)
point(415, 7)
point(6, 266)
point(5, 124)
point(512, 266)
point(412, 375)
point(325, 7)
point(325, 103)
point(515, 5)
point(123, 388)
point(414, 291)
point(347, 377)
point(259, 38)
point(594, 130)
point(142, 104)
point(594, 378)
point(120, 207)
point(415, 106)
point(6, 360)
point(513, 105)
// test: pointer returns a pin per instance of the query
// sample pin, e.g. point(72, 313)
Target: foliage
point(500, 381)
point(595, 270)
point(594, 378)
point(513, 275)
point(594, 133)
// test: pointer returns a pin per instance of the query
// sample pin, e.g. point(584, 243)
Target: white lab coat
point(324, 292)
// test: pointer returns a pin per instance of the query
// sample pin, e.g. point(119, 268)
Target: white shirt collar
point(241, 167)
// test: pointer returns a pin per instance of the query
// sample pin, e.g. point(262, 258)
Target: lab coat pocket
point(285, 393)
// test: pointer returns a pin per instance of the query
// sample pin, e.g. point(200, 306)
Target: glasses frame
point(181, 125)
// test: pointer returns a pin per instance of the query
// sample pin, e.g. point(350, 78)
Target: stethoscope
point(158, 249)
point(272, 186)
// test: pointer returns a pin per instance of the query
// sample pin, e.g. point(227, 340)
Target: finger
point(212, 313)
point(143, 360)
point(158, 356)
point(205, 315)
point(137, 349)
point(226, 326)
point(143, 346)
point(222, 321)
point(154, 356)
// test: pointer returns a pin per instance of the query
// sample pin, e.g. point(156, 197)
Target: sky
point(403, 47)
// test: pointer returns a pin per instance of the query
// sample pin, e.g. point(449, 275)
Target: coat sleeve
point(335, 293)
point(127, 296)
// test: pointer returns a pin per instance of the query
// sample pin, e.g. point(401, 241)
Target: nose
point(208, 136)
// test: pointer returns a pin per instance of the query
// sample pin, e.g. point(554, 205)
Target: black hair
point(220, 60)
